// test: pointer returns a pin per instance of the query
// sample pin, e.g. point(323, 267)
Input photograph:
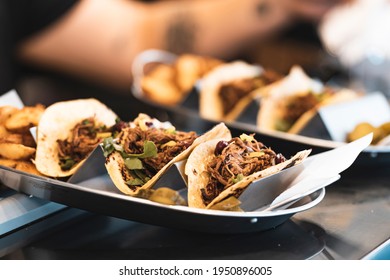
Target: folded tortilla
point(203, 193)
point(132, 173)
point(57, 123)
point(289, 104)
point(226, 90)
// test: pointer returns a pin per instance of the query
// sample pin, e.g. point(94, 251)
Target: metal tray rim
point(53, 183)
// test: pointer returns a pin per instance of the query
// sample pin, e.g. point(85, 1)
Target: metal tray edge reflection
point(112, 203)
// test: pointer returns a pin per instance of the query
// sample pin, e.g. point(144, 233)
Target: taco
point(142, 152)
point(223, 168)
point(68, 132)
point(226, 90)
point(289, 104)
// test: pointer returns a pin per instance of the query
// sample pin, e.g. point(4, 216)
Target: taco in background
point(289, 104)
point(221, 169)
point(142, 152)
point(68, 132)
point(226, 90)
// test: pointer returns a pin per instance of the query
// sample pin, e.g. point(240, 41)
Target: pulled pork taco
point(226, 90)
point(68, 132)
point(145, 149)
point(220, 170)
point(289, 104)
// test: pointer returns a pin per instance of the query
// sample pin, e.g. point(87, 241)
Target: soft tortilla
point(57, 122)
point(294, 83)
point(297, 82)
point(198, 177)
point(210, 105)
point(115, 163)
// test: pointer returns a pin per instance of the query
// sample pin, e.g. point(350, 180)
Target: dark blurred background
point(299, 44)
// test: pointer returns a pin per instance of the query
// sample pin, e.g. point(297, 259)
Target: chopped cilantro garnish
point(238, 178)
point(133, 163)
point(245, 137)
point(110, 146)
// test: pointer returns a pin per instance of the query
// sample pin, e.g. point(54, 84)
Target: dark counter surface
point(355, 214)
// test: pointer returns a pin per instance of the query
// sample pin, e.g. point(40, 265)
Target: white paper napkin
point(322, 168)
point(11, 98)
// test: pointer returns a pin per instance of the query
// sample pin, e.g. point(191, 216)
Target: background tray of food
point(174, 84)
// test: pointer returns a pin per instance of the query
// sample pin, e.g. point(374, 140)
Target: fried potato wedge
point(27, 166)
point(6, 112)
point(169, 84)
point(16, 151)
point(190, 68)
point(24, 119)
point(162, 72)
point(28, 140)
point(22, 165)
point(3, 131)
point(161, 91)
point(25, 139)
point(12, 138)
point(17, 145)
point(8, 162)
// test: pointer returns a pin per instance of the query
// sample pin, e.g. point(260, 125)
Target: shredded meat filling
point(169, 145)
point(81, 143)
point(298, 105)
point(239, 157)
point(231, 93)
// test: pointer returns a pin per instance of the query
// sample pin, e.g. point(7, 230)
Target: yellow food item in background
point(365, 128)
